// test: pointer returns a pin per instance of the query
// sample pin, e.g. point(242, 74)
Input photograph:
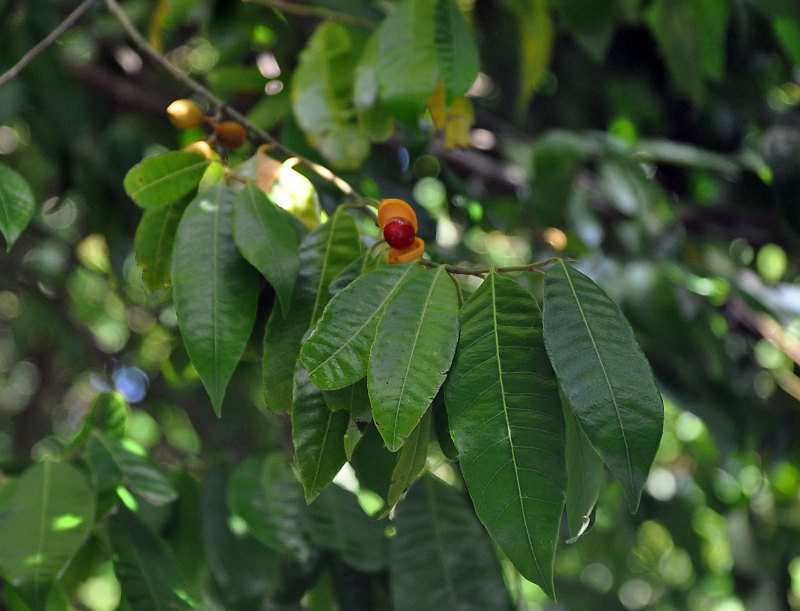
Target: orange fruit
point(393, 208)
point(231, 134)
point(401, 255)
point(185, 114)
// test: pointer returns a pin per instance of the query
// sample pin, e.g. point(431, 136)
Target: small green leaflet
point(154, 241)
point(165, 178)
point(17, 204)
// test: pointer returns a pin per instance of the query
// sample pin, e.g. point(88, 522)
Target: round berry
point(185, 114)
point(399, 233)
point(231, 134)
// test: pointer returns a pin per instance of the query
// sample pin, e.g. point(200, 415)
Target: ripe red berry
point(399, 233)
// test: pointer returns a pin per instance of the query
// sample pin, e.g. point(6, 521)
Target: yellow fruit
point(392, 208)
point(231, 134)
point(185, 114)
point(415, 251)
point(201, 146)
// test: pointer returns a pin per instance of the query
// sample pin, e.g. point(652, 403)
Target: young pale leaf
point(604, 374)
point(17, 204)
point(324, 253)
point(413, 349)
point(165, 178)
point(317, 434)
point(455, 49)
point(440, 557)
point(410, 459)
point(266, 239)
point(584, 477)
point(154, 241)
point(322, 95)
point(337, 351)
point(45, 521)
point(264, 492)
point(335, 521)
point(145, 567)
point(407, 63)
point(215, 290)
point(505, 417)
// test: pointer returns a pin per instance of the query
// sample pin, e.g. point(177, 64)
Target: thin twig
point(46, 42)
point(315, 11)
point(192, 84)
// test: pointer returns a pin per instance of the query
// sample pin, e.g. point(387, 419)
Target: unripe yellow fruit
point(231, 134)
point(201, 146)
point(185, 114)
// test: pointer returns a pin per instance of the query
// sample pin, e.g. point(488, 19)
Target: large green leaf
point(17, 204)
point(336, 353)
point(165, 178)
point(318, 435)
point(324, 253)
point(413, 349)
point(456, 51)
point(604, 374)
point(322, 95)
point(145, 567)
point(506, 421)
point(264, 493)
point(410, 459)
point(441, 557)
point(584, 477)
point(372, 114)
point(335, 521)
point(44, 521)
point(407, 63)
point(215, 290)
point(154, 241)
point(266, 239)
point(117, 462)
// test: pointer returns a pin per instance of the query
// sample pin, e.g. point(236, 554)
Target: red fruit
point(399, 233)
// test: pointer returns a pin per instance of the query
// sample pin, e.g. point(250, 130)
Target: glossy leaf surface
point(456, 52)
point(413, 349)
point(154, 242)
point(584, 477)
point(17, 204)
point(505, 417)
point(410, 459)
point(604, 374)
point(215, 290)
point(165, 178)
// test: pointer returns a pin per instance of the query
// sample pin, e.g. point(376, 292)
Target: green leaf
point(215, 290)
point(264, 493)
point(410, 459)
point(336, 353)
point(604, 374)
point(335, 521)
point(584, 476)
point(353, 399)
point(145, 566)
point(441, 424)
point(115, 462)
point(165, 178)
point(44, 521)
point(506, 421)
point(324, 253)
point(322, 95)
point(440, 557)
point(374, 117)
point(456, 51)
point(154, 241)
point(317, 434)
point(108, 413)
point(407, 63)
point(17, 205)
point(266, 239)
point(413, 349)
point(593, 29)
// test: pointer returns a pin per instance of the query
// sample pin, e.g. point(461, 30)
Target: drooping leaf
point(324, 253)
point(584, 477)
point(17, 204)
point(412, 352)
point(373, 116)
point(267, 241)
point(108, 413)
point(454, 120)
point(165, 178)
point(264, 493)
point(604, 374)
point(594, 29)
point(44, 521)
point(410, 459)
point(322, 95)
point(407, 62)
point(335, 521)
point(215, 290)
point(337, 351)
point(353, 399)
point(145, 567)
point(154, 242)
point(318, 435)
point(441, 424)
point(117, 462)
point(456, 51)
point(440, 557)
point(505, 417)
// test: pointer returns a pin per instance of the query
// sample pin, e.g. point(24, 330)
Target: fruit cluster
point(185, 114)
point(398, 222)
